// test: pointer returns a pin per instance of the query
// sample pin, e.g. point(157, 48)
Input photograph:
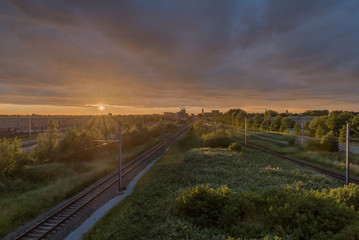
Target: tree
point(257, 120)
point(265, 124)
point(333, 122)
point(47, 142)
point(343, 134)
point(78, 138)
point(319, 121)
point(329, 142)
point(250, 123)
point(355, 125)
point(275, 125)
point(286, 124)
point(10, 156)
point(320, 132)
point(316, 113)
point(271, 113)
point(297, 129)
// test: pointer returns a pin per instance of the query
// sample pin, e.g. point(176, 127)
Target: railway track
point(53, 223)
point(301, 163)
point(330, 173)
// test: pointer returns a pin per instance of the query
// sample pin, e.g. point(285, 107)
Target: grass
point(149, 212)
point(334, 160)
point(43, 186)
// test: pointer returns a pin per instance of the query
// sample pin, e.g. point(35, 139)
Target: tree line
point(325, 127)
point(53, 145)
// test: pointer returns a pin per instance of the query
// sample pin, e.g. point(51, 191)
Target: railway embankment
point(196, 192)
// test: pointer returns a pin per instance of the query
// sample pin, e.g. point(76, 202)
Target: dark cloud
point(167, 53)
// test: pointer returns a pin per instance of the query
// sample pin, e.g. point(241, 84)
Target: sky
point(134, 57)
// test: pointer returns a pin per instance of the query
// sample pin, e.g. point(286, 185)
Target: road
point(28, 145)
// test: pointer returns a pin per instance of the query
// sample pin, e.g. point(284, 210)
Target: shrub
point(312, 146)
point(221, 138)
point(306, 214)
point(327, 143)
point(190, 141)
point(203, 204)
point(47, 142)
point(235, 147)
point(349, 195)
point(78, 138)
point(297, 129)
point(299, 214)
point(170, 125)
point(199, 128)
point(11, 157)
point(290, 140)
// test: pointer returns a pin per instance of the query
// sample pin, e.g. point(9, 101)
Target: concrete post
point(302, 130)
point(120, 187)
point(245, 131)
point(347, 156)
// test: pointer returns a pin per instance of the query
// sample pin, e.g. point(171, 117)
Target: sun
point(101, 108)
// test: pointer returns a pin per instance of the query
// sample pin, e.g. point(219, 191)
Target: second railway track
point(50, 227)
point(301, 163)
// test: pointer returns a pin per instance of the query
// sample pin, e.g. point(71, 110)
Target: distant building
point(216, 113)
point(36, 123)
point(213, 113)
point(182, 113)
point(169, 115)
point(298, 119)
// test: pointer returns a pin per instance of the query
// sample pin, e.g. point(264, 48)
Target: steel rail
point(87, 196)
point(301, 163)
point(327, 172)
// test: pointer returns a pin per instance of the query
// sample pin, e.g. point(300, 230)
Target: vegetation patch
point(30, 184)
point(213, 193)
point(301, 214)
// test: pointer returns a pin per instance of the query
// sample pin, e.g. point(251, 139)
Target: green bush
point(327, 143)
point(235, 147)
point(306, 214)
point(300, 214)
point(349, 195)
point(203, 204)
point(290, 139)
point(11, 157)
point(221, 138)
point(190, 141)
point(199, 128)
point(76, 139)
point(47, 142)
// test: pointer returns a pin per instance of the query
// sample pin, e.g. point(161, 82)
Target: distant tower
point(202, 111)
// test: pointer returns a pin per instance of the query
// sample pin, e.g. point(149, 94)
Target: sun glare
point(101, 107)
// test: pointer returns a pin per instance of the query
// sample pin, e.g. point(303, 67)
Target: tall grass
point(150, 213)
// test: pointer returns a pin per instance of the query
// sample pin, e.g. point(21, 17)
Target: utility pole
point(163, 133)
point(30, 126)
point(120, 158)
point(245, 131)
point(347, 156)
point(215, 125)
